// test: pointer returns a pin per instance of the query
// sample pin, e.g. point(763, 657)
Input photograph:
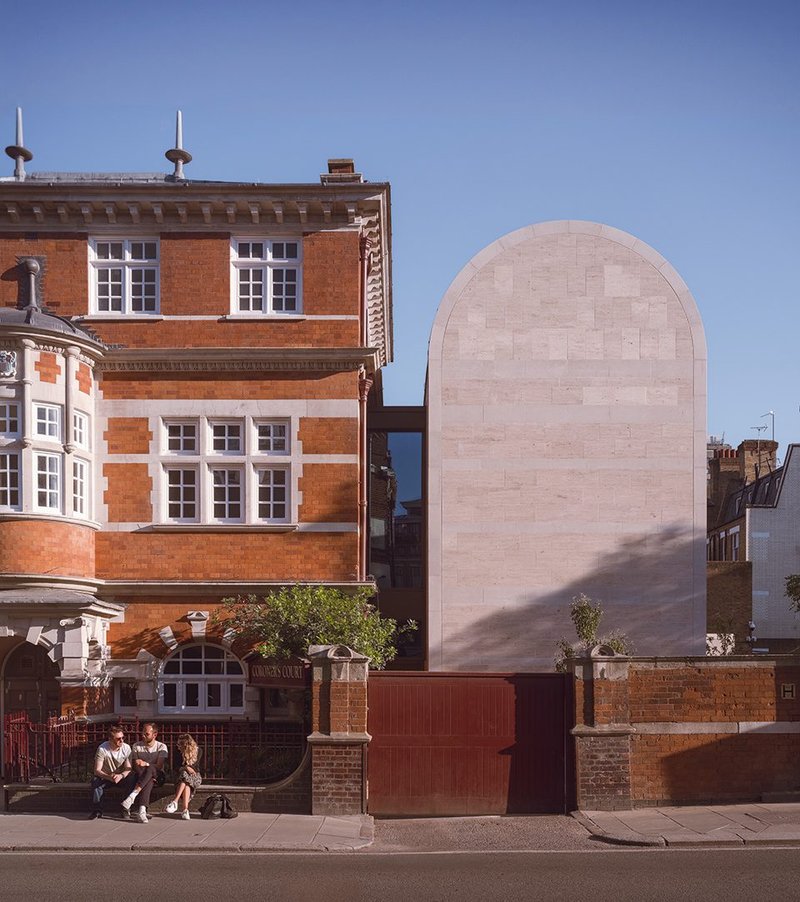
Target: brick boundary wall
point(695, 730)
point(332, 778)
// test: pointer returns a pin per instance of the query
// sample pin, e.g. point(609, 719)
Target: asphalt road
point(594, 876)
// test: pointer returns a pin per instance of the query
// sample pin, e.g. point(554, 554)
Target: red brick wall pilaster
point(339, 736)
point(602, 734)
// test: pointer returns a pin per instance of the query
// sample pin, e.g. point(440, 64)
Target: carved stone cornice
point(155, 360)
point(106, 204)
point(12, 337)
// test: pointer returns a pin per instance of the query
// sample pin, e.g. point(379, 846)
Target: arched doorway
point(30, 683)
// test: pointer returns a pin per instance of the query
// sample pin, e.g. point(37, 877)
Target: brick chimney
point(730, 470)
point(342, 170)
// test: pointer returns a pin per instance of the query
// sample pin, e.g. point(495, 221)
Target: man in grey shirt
point(112, 766)
point(148, 757)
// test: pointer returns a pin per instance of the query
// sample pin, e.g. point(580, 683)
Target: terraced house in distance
point(184, 373)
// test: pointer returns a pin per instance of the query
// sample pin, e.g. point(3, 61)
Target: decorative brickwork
point(83, 377)
point(128, 435)
point(292, 557)
point(339, 731)
point(337, 779)
point(694, 731)
point(330, 493)
point(195, 274)
point(236, 387)
point(329, 435)
point(47, 546)
point(65, 279)
point(48, 367)
point(128, 493)
point(331, 270)
point(86, 701)
point(603, 771)
point(230, 333)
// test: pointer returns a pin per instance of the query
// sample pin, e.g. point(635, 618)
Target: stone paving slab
point(246, 833)
point(717, 826)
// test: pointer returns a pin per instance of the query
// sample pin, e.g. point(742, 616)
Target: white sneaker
point(141, 815)
point(172, 807)
point(185, 816)
point(126, 804)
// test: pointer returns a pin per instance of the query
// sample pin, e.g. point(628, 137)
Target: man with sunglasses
point(112, 767)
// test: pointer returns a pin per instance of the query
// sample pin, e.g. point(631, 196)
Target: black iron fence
point(62, 749)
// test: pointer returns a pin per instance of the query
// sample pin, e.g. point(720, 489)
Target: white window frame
point(80, 429)
point(735, 546)
point(81, 481)
point(214, 517)
point(130, 267)
point(9, 414)
point(257, 487)
point(247, 460)
point(268, 426)
point(47, 417)
point(48, 473)
point(266, 268)
point(181, 680)
point(229, 429)
point(175, 468)
point(181, 438)
point(10, 467)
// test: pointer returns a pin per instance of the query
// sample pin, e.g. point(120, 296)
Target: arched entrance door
point(30, 683)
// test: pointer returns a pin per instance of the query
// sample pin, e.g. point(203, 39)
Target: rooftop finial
point(178, 155)
point(18, 151)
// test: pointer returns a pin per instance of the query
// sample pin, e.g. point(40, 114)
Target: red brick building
point(184, 367)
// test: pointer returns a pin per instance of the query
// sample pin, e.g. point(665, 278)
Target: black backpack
point(226, 809)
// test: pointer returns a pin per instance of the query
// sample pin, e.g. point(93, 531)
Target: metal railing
point(62, 749)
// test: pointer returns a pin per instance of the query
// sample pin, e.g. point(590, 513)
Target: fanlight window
point(201, 679)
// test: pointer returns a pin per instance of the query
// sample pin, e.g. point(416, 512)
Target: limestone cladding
point(566, 440)
point(772, 547)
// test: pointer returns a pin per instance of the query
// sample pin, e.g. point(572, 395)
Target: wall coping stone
point(606, 729)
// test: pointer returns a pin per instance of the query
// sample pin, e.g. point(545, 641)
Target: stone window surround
point(128, 265)
point(31, 454)
point(181, 679)
point(267, 265)
point(250, 462)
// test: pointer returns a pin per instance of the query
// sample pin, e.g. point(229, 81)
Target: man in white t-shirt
point(112, 766)
point(149, 757)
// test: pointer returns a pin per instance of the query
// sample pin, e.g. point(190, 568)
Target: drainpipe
point(364, 385)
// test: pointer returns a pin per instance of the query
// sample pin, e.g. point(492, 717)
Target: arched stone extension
point(566, 449)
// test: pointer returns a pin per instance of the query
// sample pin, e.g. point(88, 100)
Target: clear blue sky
point(676, 121)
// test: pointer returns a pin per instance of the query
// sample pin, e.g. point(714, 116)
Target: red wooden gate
point(452, 743)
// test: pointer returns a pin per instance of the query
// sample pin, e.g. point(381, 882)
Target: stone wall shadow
point(622, 581)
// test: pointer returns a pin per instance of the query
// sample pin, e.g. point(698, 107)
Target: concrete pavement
point(246, 833)
point(711, 826)
point(715, 826)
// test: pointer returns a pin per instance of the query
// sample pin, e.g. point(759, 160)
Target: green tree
point(285, 622)
point(793, 590)
point(586, 615)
